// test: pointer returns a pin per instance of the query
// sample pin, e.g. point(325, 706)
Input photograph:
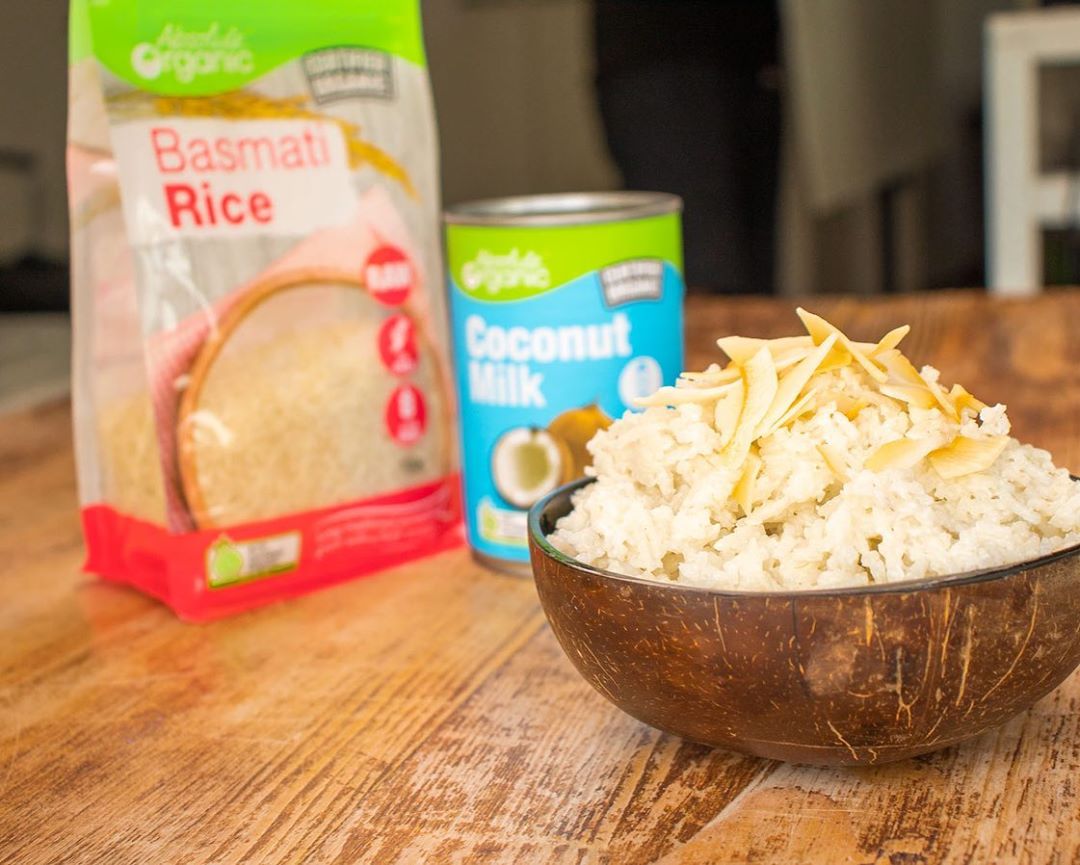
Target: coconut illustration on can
point(575, 429)
point(528, 463)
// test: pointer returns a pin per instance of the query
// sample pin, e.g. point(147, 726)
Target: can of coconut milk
point(563, 308)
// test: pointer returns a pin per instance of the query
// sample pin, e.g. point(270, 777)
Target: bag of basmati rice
point(261, 393)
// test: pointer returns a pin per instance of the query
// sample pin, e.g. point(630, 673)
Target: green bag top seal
point(200, 47)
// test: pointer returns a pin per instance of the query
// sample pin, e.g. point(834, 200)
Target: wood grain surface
point(426, 714)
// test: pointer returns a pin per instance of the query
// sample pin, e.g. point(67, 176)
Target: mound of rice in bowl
point(815, 462)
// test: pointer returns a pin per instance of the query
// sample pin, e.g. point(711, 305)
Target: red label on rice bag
point(388, 274)
point(397, 344)
point(320, 547)
point(406, 415)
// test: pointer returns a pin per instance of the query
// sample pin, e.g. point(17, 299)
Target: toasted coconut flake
point(712, 376)
point(909, 382)
point(900, 369)
point(791, 358)
point(792, 384)
point(872, 368)
point(964, 400)
point(847, 405)
point(747, 485)
point(728, 409)
point(853, 407)
point(801, 407)
point(916, 395)
point(966, 455)
point(878, 399)
point(761, 383)
point(668, 395)
point(900, 454)
point(815, 325)
point(741, 348)
point(891, 340)
point(838, 357)
point(941, 397)
point(819, 328)
point(835, 461)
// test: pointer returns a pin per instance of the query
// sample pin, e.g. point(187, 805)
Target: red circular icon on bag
point(388, 274)
point(397, 344)
point(406, 415)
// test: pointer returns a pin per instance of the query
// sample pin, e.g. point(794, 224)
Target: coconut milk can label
point(627, 281)
point(514, 273)
point(497, 524)
point(506, 363)
point(556, 331)
point(539, 377)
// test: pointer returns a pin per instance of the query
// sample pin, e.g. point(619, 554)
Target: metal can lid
point(564, 208)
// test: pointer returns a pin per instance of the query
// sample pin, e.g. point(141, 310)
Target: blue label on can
point(537, 375)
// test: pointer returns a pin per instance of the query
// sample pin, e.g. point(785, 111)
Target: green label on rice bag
point(200, 47)
point(229, 562)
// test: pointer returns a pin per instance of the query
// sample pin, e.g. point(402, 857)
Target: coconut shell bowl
point(853, 676)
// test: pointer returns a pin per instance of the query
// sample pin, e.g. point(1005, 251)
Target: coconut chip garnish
point(767, 384)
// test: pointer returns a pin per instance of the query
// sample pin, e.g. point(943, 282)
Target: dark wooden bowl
point(831, 677)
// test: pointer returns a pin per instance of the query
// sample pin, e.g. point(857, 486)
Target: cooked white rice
point(662, 505)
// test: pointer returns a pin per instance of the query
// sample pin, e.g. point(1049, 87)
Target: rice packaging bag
point(261, 394)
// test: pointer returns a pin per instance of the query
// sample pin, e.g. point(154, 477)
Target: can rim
point(563, 208)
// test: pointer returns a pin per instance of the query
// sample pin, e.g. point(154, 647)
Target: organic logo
point(145, 60)
point(489, 521)
point(188, 54)
point(494, 273)
point(226, 562)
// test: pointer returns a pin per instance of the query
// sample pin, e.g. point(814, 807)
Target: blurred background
point(842, 146)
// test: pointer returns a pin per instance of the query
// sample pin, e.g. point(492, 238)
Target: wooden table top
point(426, 714)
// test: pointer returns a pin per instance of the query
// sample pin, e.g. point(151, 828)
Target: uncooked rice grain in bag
point(261, 395)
